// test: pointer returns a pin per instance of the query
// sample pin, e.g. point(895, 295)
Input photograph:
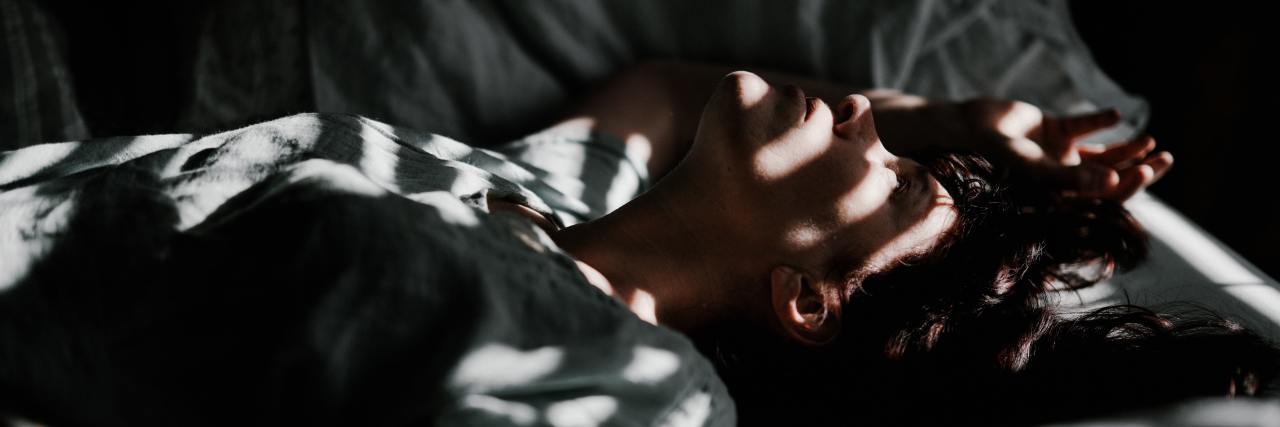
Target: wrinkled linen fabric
point(323, 270)
point(37, 102)
point(486, 71)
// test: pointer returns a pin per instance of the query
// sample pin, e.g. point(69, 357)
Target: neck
point(651, 256)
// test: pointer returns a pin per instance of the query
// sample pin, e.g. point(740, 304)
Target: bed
point(488, 71)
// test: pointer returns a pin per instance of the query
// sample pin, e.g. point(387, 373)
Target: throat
point(643, 258)
point(640, 302)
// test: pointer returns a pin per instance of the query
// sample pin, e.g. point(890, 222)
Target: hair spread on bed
point(965, 330)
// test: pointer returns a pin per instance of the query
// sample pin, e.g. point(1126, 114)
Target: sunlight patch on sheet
point(1192, 244)
point(30, 231)
point(469, 180)
point(650, 365)
point(693, 412)
point(622, 188)
point(333, 175)
point(587, 411)
point(515, 412)
point(497, 366)
point(443, 147)
point(1208, 411)
point(19, 164)
point(451, 209)
point(378, 160)
point(570, 163)
point(1230, 412)
point(65, 158)
point(1207, 256)
point(1261, 297)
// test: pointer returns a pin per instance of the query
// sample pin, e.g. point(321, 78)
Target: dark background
point(1204, 67)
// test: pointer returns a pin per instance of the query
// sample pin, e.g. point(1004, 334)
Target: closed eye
point(903, 184)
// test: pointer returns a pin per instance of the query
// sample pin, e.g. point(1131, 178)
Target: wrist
point(950, 124)
point(908, 128)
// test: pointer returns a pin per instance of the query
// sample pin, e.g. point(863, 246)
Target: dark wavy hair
point(1010, 245)
point(965, 331)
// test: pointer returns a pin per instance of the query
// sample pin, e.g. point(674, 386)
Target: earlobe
point(805, 311)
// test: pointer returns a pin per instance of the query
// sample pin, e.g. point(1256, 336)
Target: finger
point(1057, 143)
point(1078, 126)
point(1132, 181)
point(1136, 178)
point(1083, 179)
point(1160, 164)
point(1058, 135)
point(1090, 149)
point(1119, 154)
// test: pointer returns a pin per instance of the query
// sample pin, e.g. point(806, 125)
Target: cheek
point(866, 201)
point(831, 205)
point(792, 156)
point(919, 237)
point(848, 190)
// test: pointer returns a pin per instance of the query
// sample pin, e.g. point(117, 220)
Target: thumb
point(1081, 125)
point(1061, 133)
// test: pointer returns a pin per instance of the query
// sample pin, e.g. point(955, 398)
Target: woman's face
point(813, 184)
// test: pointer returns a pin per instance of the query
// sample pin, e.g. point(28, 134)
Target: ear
point(808, 313)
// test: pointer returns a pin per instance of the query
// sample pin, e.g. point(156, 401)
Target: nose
point(853, 114)
point(854, 121)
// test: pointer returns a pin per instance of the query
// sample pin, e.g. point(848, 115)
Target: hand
point(1046, 147)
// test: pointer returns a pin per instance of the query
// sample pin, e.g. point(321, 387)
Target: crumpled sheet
point(487, 71)
point(316, 269)
point(37, 103)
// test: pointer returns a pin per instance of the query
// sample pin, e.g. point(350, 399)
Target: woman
point(335, 270)
point(826, 269)
point(836, 196)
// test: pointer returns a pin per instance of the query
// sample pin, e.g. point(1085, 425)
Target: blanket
point(318, 270)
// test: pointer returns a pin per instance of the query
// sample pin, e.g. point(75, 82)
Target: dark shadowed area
point(1207, 71)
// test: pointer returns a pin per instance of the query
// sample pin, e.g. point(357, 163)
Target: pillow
point(37, 103)
point(489, 71)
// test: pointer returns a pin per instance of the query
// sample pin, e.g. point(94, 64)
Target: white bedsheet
point(1187, 264)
